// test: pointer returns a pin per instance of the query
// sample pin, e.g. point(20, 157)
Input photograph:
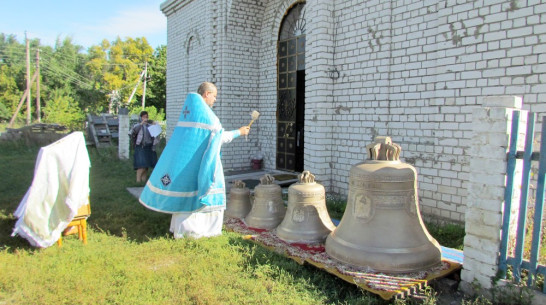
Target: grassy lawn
point(131, 258)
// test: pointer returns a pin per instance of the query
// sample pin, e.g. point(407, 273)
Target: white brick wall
point(189, 52)
point(410, 69)
point(123, 139)
point(486, 187)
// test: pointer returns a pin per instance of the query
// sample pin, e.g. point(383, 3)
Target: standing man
point(188, 180)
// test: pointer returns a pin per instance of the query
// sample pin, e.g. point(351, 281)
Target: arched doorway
point(291, 90)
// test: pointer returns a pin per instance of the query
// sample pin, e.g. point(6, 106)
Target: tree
point(12, 74)
point(63, 67)
point(156, 92)
point(153, 113)
point(118, 67)
point(62, 109)
point(97, 81)
point(9, 94)
point(59, 68)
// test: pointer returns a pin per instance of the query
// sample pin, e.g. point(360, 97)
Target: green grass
point(448, 235)
point(336, 206)
point(131, 257)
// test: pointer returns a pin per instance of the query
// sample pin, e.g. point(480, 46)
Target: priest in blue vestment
point(188, 180)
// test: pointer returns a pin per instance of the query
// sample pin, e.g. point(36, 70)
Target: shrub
point(62, 109)
point(153, 114)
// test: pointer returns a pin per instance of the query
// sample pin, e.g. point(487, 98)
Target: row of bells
point(381, 228)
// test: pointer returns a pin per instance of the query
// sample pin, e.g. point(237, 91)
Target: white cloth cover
point(59, 188)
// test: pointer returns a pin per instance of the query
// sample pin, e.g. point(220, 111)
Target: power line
point(50, 63)
point(75, 57)
point(76, 78)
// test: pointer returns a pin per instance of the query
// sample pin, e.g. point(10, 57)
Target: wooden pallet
point(102, 129)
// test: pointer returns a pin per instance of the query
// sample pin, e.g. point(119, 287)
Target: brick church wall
point(238, 78)
point(413, 70)
point(189, 53)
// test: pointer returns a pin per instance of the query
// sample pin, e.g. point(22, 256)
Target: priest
point(188, 180)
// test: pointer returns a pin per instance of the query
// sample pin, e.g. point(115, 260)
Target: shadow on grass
point(113, 209)
point(17, 166)
point(9, 243)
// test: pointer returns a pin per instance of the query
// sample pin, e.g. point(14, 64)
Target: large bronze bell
point(382, 226)
point(238, 203)
point(306, 218)
point(268, 209)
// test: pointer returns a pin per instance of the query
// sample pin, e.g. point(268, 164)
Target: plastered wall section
point(491, 131)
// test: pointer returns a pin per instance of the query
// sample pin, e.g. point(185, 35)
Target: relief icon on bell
point(363, 207)
point(382, 228)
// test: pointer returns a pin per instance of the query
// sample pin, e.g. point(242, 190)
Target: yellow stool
point(78, 225)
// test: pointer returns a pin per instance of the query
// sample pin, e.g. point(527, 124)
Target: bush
point(63, 110)
point(5, 114)
point(153, 114)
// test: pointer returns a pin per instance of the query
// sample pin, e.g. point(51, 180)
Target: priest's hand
point(244, 130)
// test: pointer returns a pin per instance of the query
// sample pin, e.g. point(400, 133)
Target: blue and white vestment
point(188, 179)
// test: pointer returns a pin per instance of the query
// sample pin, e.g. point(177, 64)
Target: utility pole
point(135, 88)
point(23, 98)
point(38, 108)
point(28, 80)
point(144, 85)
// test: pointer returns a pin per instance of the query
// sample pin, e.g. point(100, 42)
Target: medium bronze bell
point(268, 209)
point(238, 203)
point(382, 226)
point(306, 218)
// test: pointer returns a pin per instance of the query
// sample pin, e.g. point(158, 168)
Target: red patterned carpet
point(386, 286)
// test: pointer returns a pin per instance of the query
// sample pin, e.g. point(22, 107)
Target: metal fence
point(513, 256)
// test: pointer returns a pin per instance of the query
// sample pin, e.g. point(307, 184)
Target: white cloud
point(87, 23)
point(134, 22)
point(144, 21)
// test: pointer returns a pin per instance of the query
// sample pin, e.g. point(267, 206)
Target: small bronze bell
point(306, 218)
point(268, 209)
point(382, 226)
point(238, 203)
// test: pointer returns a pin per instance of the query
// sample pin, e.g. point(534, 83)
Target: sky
point(87, 22)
